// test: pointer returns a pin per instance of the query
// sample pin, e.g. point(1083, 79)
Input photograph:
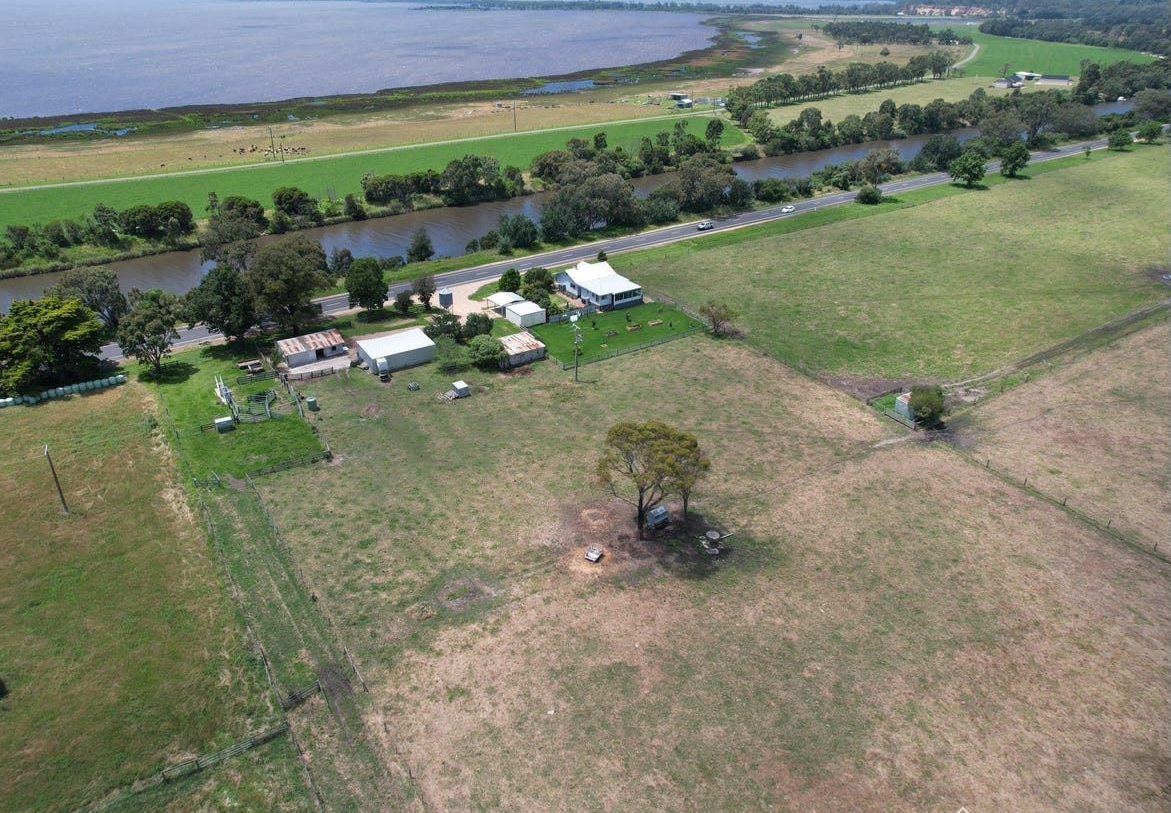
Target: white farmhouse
point(600, 285)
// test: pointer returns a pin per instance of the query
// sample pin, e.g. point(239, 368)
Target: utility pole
point(272, 141)
point(60, 493)
point(576, 350)
point(514, 115)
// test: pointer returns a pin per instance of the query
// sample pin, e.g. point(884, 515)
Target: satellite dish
point(573, 318)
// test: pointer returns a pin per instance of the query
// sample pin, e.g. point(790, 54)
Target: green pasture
point(335, 176)
point(955, 287)
point(1038, 56)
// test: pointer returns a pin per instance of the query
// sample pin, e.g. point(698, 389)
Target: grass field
point(949, 288)
point(836, 108)
point(894, 628)
point(121, 651)
point(1093, 430)
point(1039, 56)
point(611, 332)
point(334, 175)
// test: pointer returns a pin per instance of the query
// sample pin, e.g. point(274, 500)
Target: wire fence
point(1105, 526)
point(188, 767)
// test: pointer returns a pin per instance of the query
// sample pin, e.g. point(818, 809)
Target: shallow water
point(74, 56)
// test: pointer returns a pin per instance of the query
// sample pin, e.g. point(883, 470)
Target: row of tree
point(783, 88)
point(168, 221)
point(867, 32)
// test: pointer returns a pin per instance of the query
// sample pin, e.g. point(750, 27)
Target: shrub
point(927, 404)
point(485, 351)
point(869, 195)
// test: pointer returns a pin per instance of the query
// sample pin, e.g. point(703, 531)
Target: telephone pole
point(60, 493)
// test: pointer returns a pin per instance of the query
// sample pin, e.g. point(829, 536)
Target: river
point(450, 228)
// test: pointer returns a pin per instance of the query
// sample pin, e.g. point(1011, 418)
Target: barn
point(521, 348)
point(405, 348)
point(311, 347)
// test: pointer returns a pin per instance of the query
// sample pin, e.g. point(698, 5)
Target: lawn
point(188, 393)
point(893, 629)
point(333, 175)
point(946, 289)
point(616, 331)
point(121, 651)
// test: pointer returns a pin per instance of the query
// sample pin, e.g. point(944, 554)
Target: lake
point(60, 57)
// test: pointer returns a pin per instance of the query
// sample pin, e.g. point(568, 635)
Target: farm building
point(311, 347)
point(525, 313)
point(501, 300)
point(903, 406)
point(406, 348)
point(1054, 79)
point(521, 348)
point(600, 285)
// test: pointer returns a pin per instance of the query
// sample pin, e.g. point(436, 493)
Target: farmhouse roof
point(403, 341)
point(310, 341)
point(502, 298)
point(600, 278)
point(523, 342)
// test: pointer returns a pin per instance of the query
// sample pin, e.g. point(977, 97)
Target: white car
point(705, 225)
point(787, 209)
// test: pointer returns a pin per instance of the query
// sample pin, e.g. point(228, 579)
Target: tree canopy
point(47, 341)
point(365, 285)
point(97, 289)
point(283, 278)
point(643, 463)
point(223, 302)
point(148, 331)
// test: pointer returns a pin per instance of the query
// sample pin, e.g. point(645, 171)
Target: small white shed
point(521, 348)
point(311, 347)
point(525, 313)
point(501, 300)
point(405, 348)
point(461, 389)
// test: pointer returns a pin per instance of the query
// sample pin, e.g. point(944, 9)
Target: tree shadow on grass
point(978, 187)
point(172, 372)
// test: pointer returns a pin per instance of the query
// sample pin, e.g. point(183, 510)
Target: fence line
point(658, 296)
point(564, 316)
point(237, 594)
point(311, 374)
point(191, 766)
point(251, 377)
point(1106, 528)
point(309, 460)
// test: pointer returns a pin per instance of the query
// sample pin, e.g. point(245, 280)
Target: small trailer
point(657, 517)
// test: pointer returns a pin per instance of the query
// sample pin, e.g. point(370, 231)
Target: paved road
point(683, 231)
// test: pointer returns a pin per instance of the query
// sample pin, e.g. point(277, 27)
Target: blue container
point(120, 378)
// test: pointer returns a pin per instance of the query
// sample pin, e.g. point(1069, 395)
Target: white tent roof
point(524, 308)
point(402, 342)
point(599, 278)
point(502, 298)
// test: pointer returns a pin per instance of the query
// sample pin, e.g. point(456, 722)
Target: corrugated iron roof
point(310, 341)
point(523, 342)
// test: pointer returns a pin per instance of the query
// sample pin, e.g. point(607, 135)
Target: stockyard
point(898, 620)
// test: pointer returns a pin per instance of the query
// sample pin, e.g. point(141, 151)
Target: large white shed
point(406, 348)
point(525, 313)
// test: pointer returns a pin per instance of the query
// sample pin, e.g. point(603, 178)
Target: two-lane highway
point(670, 234)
